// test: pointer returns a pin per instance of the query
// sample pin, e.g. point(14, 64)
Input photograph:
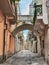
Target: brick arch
point(22, 27)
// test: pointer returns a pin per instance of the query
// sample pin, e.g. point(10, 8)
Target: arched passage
point(26, 26)
point(22, 27)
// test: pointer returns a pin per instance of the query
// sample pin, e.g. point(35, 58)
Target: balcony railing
point(25, 18)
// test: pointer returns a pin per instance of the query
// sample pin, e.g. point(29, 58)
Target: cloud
point(25, 11)
point(24, 6)
point(23, 2)
point(25, 36)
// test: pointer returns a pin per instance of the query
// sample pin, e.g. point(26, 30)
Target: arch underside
point(22, 27)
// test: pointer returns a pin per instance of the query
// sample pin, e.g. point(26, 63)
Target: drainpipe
point(4, 57)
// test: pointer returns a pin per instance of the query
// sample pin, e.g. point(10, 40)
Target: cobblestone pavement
point(30, 60)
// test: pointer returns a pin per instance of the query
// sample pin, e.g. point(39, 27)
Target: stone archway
point(26, 26)
point(22, 27)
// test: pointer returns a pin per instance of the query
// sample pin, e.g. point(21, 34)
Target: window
point(39, 9)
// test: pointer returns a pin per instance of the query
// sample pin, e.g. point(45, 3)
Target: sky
point(24, 6)
point(25, 32)
point(24, 10)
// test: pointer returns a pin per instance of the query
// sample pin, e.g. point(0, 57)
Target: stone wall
point(1, 34)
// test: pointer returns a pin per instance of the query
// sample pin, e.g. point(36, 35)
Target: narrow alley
point(24, 32)
point(25, 57)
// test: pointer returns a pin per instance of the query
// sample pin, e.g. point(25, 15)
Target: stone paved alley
point(25, 58)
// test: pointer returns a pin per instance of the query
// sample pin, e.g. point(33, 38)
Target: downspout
point(4, 57)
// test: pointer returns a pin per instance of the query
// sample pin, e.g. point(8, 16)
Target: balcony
point(7, 8)
point(25, 18)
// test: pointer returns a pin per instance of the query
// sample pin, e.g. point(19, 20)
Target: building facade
point(41, 25)
point(7, 19)
point(20, 41)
